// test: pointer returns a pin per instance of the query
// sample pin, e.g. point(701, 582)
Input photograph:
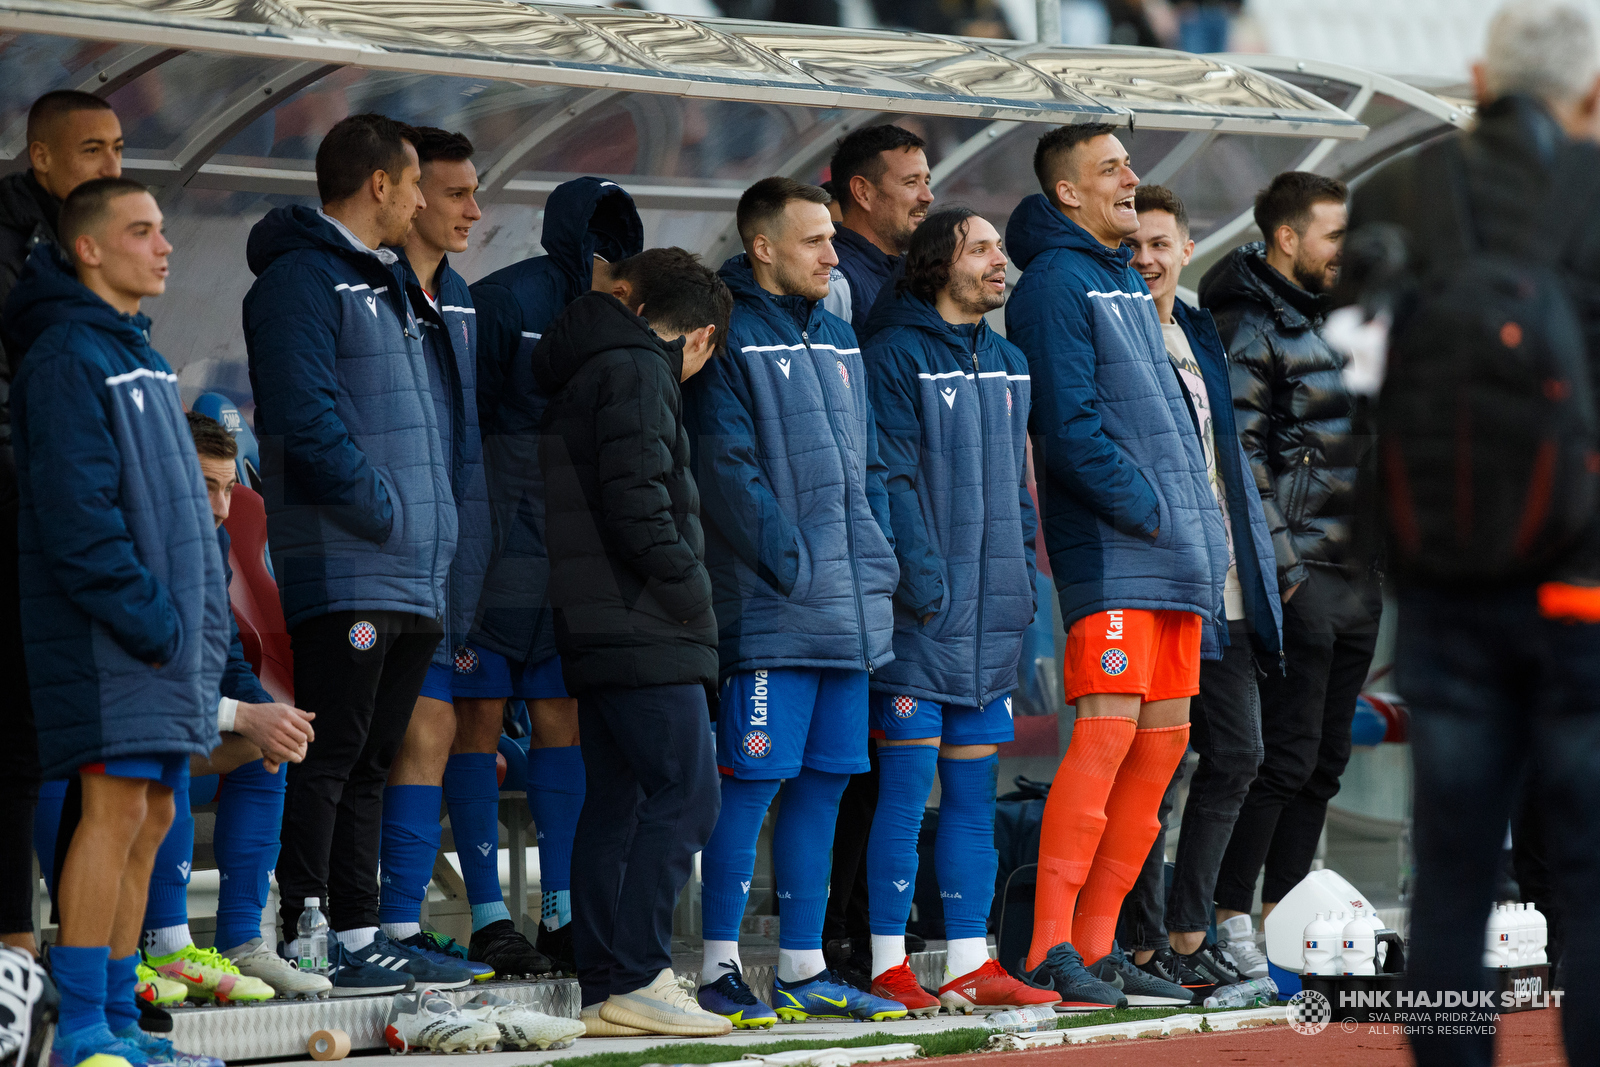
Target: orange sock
point(1132, 821)
point(1073, 818)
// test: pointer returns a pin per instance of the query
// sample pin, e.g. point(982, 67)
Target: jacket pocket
point(396, 536)
point(1299, 486)
point(803, 570)
point(1163, 532)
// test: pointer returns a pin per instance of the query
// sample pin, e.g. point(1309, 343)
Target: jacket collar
point(881, 262)
point(783, 312)
point(1037, 225)
point(387, 256)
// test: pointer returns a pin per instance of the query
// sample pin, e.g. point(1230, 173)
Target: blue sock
point(249, 815)
point(728, 861)
point(555, 797)
point(122, 1011)
point(802, 852)
point(905, 775)
point(80, 977)
point(46, 822)
point(964, 852)
point(410, 842)
point(168, 902)
point(473, 794)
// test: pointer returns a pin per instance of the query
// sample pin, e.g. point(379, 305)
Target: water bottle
point(1538, 936)
point(312, 933)
point(1256, 993)
point(1499, 945)
point(1358, 947)
point(1322, 945)
point(1408, 868)
point(1023, 1020)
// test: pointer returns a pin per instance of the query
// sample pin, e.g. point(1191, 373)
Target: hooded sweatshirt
point(516, 305)
point(124, 608)
point(1130, 520)
point(951, 404)
point(631, 597)
point(360, 511)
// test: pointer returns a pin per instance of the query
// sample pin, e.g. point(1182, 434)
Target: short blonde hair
point(1545, 48)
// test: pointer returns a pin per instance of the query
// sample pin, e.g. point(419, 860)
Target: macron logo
point(783, 365)
point(949, 398)
point(138, 397)
point(484, 849)
point(183, 869)
point(372, 306)
point(901, 886)
point(745, 886)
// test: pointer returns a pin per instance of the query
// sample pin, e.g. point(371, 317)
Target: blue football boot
point(68, 1050)
point(732, 998)
point(160, 1050)
point(445, 950)
point(827, 997)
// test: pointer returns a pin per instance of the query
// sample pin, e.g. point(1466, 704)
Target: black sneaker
point(503, 947)
point(556, 945)
point(915, 944)
point(1168, 966)
point(856, 971)
point(1063, 973)
point(152, 1019)
point(1212, 966)
point(1143, 989)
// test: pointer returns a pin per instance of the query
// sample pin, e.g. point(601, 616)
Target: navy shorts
point(903, 718)
point(479, 673)
point(168, 768)
point(774, 721)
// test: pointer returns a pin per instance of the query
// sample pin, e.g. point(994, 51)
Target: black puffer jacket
point(628, 580)
point(28, 215)
point(1292, 409)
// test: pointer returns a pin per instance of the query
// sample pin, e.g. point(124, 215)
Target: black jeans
point(19, 756)
point(333, 804)
point(1225, 730)
point(1330, 628)
point(847, 914)
point(651, 804)
point(1498, 696)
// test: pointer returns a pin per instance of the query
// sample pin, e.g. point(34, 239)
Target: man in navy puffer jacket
point(951, 401)
point(1135, 538)
point(360, 511)
point(802, 572)
point(124, 608)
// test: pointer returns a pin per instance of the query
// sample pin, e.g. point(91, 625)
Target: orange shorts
point(1155, 654)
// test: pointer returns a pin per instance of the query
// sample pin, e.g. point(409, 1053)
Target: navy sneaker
point(444, 951)
point(732, 998)
point(1168, 966)
point(160, 1050)
point(827, 997)
point(353, 976)
point(1143, 989)
point(430, 972)
point(1063, 973)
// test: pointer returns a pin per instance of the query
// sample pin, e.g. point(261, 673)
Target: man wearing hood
point(72, 138)
point(1293, 413)
point(633, 622)
point(1135, 538)
point(951, 400)
point(125, 610)
point(589, 225)
point(361, 518)
point(803, 568)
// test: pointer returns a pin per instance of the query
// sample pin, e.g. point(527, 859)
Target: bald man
point(72, 137)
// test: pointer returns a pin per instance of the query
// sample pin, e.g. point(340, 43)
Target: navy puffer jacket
point(360, 513)
point(792, 493)
point(1129, 517)
point(119, 561)
point(516, 306)
point(951, 404)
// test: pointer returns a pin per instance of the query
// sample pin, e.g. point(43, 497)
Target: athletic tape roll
point(328, 1045)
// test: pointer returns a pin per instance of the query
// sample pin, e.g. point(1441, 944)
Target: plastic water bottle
point(1500, 939)
point(1258, 992)
point(1322, 945)
point(1358, 947)
point(1023, 1020)
point(312, 932)
point(1538, 936)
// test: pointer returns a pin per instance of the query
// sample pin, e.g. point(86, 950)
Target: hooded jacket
point(797, 518)
point(1130, 520)
point(119, 562)
point(449, 334)
point(516, 305)
point(951, 405)
point(866, 269)
point(360, 512)
point(1292, 408)
point(628, 583)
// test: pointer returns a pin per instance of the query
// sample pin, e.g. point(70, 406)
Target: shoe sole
point(956, 1004)
point(621, 1016)
point(443, 985)
point(795, 1015)
point(752, 1024)
point(365, 990)
point(601, 1028)
point(1071, 1007)
point(1145, 1000)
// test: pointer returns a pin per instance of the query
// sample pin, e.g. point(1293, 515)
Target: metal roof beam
point(526, 141)
point(115, 69)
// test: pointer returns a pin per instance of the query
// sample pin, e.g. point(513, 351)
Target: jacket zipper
point(849, 515)
point(983, 538)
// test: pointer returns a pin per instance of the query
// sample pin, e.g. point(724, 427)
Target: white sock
point(800, 964)
point(718, 958)
point(963, 955)
point(401, 931)
point(166, 940)
point(888, 952)
point(357, 939)
point(292, 948)
point(1236, 928)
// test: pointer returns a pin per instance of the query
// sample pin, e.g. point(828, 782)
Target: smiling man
point(1135, 538)
point(880, 180)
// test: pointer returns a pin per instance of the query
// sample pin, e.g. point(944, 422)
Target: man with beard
point(880, 178)
point(1269, 299)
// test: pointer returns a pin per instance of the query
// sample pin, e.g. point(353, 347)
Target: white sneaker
point(662, 1007)
point(1237, 938)
point(255, 959)
point(594, 1026)
point(426, 1020)
point(521, 1026)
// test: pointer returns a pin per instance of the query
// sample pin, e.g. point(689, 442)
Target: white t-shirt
point(1194, 384)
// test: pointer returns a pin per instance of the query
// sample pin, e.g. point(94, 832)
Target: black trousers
point(333, 807)
point(652, 801)
point(847, 913)
point(19, 756)
point(1330, 629)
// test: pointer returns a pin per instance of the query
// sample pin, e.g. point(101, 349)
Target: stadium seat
point(255, 596)
point(219, 407)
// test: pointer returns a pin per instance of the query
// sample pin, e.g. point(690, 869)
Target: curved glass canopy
point(223, 103)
